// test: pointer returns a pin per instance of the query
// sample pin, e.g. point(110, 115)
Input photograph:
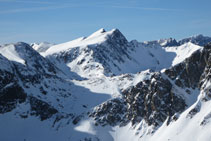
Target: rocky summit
point(106, 88)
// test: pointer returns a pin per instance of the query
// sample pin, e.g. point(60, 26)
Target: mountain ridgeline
point(104, 87)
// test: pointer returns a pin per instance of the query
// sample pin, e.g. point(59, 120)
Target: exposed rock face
point(36, 67)
point(16, 78)
point(112, 52)
point(168, 42)
point(110, 112)
point(206, 76)
point(188, 73)
point(41, 108)
point(198, 40)
point(10, 97)
point(10, 92)
point(154, 100)
point(205, 88)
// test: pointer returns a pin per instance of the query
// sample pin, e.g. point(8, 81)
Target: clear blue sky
point(59, 21)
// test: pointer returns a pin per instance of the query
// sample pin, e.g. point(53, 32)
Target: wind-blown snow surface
point(93, 70)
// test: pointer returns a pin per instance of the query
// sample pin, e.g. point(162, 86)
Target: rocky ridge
point(162, 97)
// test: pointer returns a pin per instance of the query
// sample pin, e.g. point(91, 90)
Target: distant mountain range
point(106, 88)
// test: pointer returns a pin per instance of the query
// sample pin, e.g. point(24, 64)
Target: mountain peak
point(116, 31)
point(198, 36)
point(98, 37)
point(41, 47)
point(15, 52)
point(101, 30)
point(115, 34)
point(199, 39)
point(168, 42)
point(97, 33)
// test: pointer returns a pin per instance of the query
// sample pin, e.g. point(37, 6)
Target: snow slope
point(10, 53)
point(95, 38)
point(187, 128)
point(182, 52)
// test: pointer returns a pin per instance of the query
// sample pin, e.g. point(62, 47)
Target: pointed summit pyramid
point(96, 38)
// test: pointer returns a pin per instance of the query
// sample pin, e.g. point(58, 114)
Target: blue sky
point(60, 21)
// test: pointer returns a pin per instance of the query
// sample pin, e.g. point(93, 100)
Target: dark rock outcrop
point(152, 100)
point(41, 108)
point(168, 42)
point(17, 78)
point(155, 100)
point(10, 97)
point(110, 112)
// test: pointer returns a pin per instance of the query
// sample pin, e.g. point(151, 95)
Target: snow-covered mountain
point(197, 39)
point(41, 47)
point(104, 87)
point(110, 53)
point(200, 40)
